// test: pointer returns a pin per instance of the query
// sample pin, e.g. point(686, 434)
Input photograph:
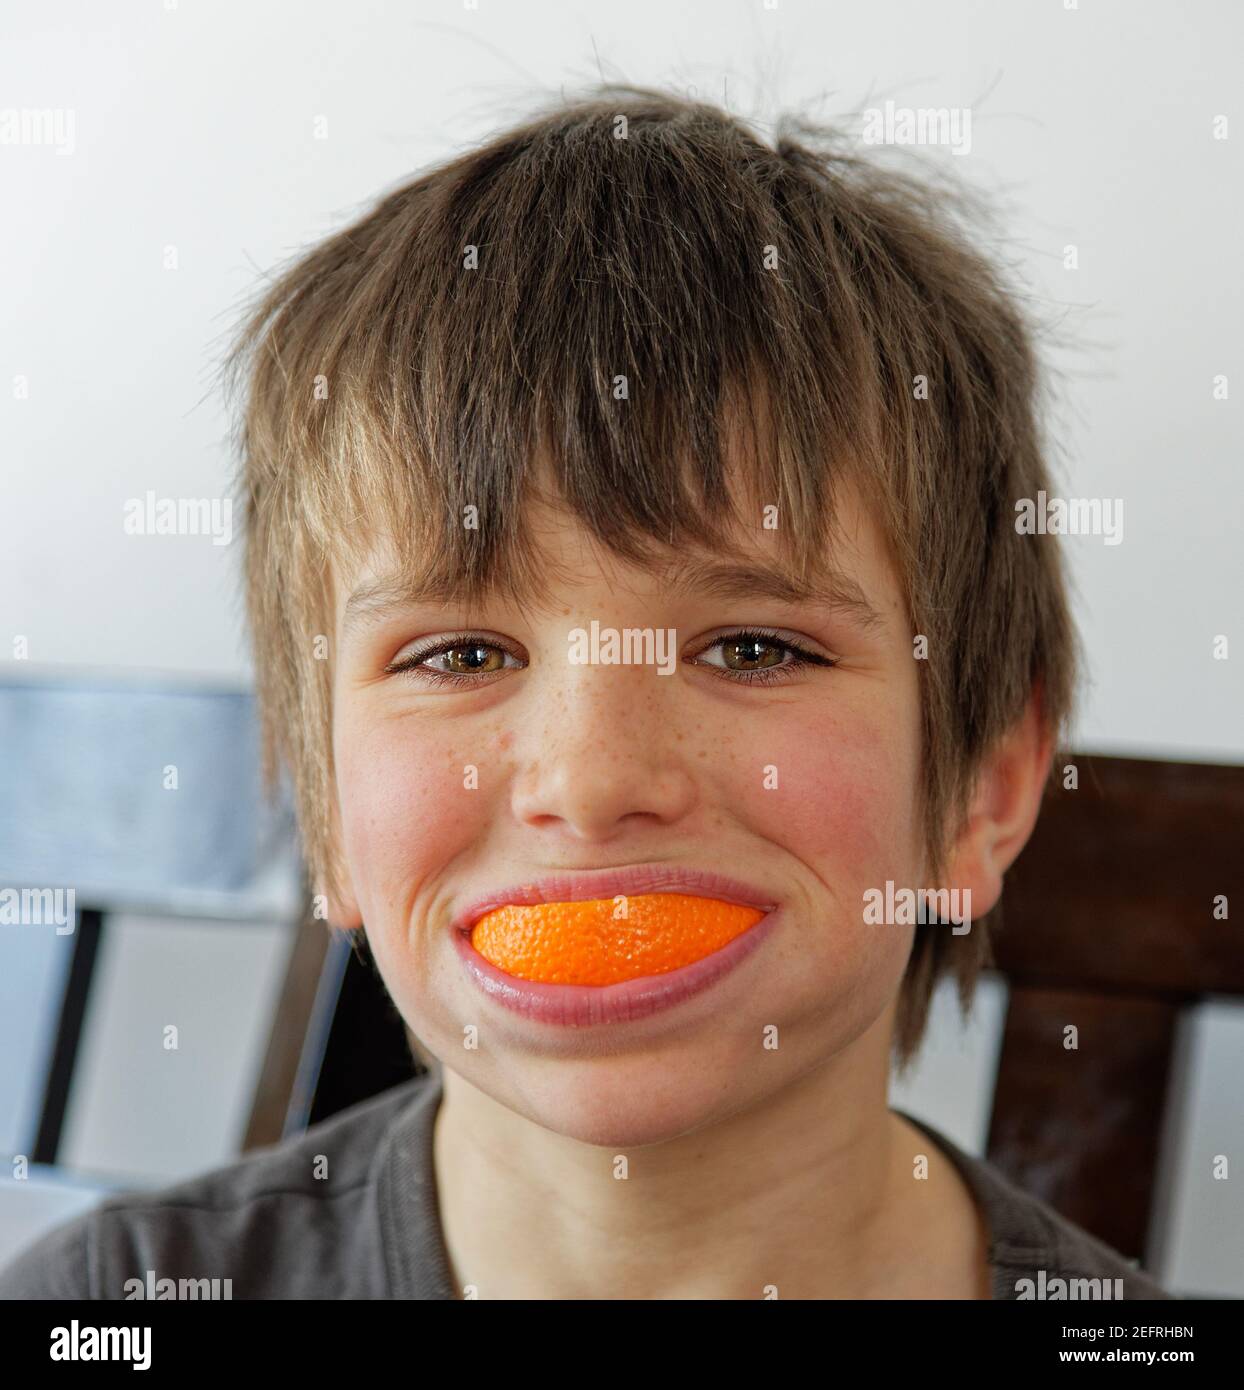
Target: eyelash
point(772, 675)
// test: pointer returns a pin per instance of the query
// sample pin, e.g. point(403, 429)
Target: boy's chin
point(622, 1102)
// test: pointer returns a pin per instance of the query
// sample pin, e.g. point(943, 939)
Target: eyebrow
point(832, 591)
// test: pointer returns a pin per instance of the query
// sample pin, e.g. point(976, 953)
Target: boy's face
point(600, 766)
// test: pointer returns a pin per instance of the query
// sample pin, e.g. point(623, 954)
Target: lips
point(579, 964)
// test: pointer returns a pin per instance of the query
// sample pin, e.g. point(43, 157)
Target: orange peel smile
point(604, 941)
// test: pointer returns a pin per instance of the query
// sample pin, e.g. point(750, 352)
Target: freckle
point(506, 739)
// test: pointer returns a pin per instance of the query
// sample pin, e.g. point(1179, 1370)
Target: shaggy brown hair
point(796, 290)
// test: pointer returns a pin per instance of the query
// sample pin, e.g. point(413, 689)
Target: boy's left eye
point(469, 656)
point(751, 648)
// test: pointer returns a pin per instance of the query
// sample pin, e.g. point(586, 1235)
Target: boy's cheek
point(406, 812)
point(845, 817)
point(846, 796)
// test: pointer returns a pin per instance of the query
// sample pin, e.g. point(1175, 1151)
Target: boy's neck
point(808, 1193)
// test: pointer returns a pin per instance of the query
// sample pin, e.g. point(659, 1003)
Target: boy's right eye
point(465, 657)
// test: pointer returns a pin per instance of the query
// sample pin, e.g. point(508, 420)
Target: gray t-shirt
point(348, 1209)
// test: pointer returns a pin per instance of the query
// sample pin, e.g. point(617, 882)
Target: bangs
point(547, 327)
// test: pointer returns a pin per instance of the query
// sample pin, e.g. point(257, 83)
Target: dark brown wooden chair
point(1107, 925)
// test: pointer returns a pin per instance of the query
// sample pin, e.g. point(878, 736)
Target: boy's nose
point(609, 751)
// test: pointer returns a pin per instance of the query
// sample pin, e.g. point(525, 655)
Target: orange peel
point(604, 941)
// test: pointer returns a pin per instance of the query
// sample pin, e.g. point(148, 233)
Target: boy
point(629, 382)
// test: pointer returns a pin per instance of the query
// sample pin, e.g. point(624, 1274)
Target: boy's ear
point(1004, 808)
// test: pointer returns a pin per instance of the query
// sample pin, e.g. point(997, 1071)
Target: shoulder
point(295, 1219)
point(1034, 1251)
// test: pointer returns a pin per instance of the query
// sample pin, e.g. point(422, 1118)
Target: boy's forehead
point(856, 580)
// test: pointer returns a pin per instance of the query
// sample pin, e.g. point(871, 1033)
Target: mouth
point(610, 945)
